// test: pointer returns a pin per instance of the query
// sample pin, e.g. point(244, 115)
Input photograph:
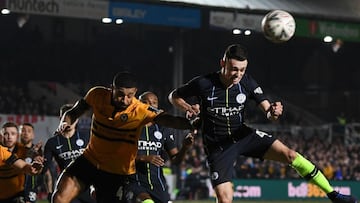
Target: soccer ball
point(278, 26)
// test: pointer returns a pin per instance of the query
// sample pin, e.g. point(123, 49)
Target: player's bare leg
point(224, 192)
point(67, 188)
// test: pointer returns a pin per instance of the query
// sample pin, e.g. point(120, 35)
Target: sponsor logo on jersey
point(258, 90)
point(72, 154)
point(149, 145)
point(59, 146)
point(226, 111)
point(211, 98)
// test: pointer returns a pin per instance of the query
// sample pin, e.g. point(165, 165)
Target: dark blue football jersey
point(222, 108)
point(154, 140)
point(64, 150)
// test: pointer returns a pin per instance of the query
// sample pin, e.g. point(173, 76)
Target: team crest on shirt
point(158, 135)
point(241, 98)
point(80, 142)
point(28, 159)
point(124, 117)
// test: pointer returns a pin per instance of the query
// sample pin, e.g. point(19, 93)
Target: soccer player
point(32, 182)
point(65, 147)
point(108, 162)
point(222, 97)
point(154, 140)
point(12, 179)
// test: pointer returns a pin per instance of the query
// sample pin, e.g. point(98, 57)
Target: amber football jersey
point(115, 134)
point(4, 155)
point(12, 180)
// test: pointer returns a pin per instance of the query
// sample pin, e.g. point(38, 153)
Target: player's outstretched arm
point(70, 116)
point(171, 121)
point(31, 169)
point(182, 104)
point(7, 157)
point(79, 108)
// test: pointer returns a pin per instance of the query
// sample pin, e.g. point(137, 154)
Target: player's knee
point(224, 199)
point(224, 192)
point(148, 201)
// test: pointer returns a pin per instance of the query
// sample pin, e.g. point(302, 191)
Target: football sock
point(311, 173)
point(148, 201)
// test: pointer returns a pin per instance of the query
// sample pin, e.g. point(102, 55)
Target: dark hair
point(28, 124)
point(64, 108)
point(236, 51)
point(10, 124)
point(124, 79)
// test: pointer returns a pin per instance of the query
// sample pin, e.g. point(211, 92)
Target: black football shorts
point(221, 158)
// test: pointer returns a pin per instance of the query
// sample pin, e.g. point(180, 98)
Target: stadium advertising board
point(155, 14)
point(90, 9)
point(320, 29)
point(229, 20)
point(288, 189)
point(304, 27)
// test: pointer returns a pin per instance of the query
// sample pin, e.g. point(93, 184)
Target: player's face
point(26, 134)
point(233, 70)
point(152, 100)
point(122, 97)
point(10, 136)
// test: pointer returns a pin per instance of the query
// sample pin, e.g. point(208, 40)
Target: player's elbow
point(171, 97)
